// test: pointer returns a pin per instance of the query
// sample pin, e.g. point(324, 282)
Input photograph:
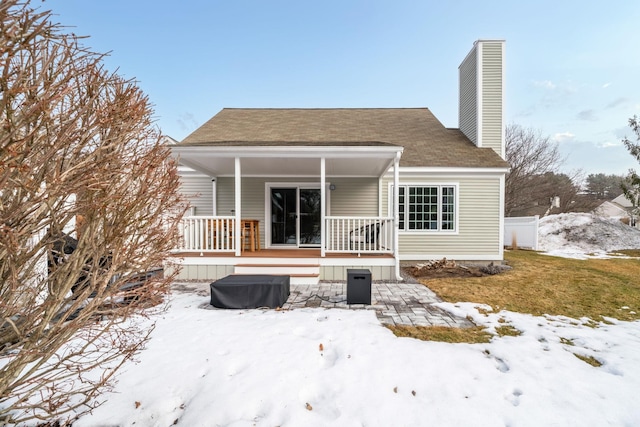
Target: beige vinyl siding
point(252, 200)
point(478, 232)
point(198, 190)
point(204, 272)
point(492, 87)
point(339, 272)
point(327, 272)
point(225, 197)
point(354, 197)
point(468, 102)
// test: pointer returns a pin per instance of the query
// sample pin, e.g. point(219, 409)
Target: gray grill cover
point(250, 291)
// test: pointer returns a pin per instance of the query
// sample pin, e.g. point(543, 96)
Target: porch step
point(300, 274)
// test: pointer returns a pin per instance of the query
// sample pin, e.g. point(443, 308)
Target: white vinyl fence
point(521, 232)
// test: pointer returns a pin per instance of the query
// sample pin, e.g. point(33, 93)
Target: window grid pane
point(448, 204)
point(426, 208)
point(423, 208)
point(401, 207)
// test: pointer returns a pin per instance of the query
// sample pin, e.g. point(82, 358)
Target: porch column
point(396, 213)
point(501, 238)
point(323, 198)
point(238, 206)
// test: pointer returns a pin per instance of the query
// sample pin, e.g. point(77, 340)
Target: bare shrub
point(78, 149)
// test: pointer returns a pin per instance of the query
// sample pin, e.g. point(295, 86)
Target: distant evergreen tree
point(603, 186)
point(631, 187)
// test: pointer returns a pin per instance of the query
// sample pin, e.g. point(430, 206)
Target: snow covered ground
point(583, 235)
point(316, 367)
point(266, 368)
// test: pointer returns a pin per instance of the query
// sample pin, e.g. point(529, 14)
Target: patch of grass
point(630, 252)
point(508, 330)
point(589, 359)
point(566, 341)
point(483, 311)
point(475, 335)
point(592, 324)
point(540, 284)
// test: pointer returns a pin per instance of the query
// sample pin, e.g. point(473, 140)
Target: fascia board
point(444, 171)
point(289, 151)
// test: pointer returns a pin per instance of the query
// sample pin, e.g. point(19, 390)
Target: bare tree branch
point(82, 165)
point(531, 156)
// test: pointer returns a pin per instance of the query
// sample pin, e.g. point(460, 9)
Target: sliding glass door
point(309, 224)
point(295, 216)
point(284, 210)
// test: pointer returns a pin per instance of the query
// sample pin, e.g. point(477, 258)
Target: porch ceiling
point(289, 161)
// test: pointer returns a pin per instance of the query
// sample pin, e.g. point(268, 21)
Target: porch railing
point(207, 234)
point(359, 234)
point(344, 234)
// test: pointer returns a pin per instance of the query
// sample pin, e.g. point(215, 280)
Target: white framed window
point(426, 207)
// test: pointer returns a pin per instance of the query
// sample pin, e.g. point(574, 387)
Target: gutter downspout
point(501, 221)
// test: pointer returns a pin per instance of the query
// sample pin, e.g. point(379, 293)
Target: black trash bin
point(358, 286)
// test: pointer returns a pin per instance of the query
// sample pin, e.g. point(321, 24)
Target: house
point(620, 207)
point(313, 192)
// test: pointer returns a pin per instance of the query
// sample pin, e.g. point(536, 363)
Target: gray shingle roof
point(426, 142)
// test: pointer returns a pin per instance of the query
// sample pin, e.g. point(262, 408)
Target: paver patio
point(401, 303)
point(394, 303)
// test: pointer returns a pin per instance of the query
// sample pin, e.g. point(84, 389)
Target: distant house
point(620, 207)
point(313, 192)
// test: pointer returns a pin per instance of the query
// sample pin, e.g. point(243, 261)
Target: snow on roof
point(623, 201)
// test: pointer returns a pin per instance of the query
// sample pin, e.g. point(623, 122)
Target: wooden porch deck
point(279, 253)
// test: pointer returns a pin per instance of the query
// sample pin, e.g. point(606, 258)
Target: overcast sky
point(572, 67)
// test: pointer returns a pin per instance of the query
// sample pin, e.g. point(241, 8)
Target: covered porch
point(292, 203)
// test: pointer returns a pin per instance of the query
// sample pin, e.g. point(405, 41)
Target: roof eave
point(290, 151)
point(453, 170)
